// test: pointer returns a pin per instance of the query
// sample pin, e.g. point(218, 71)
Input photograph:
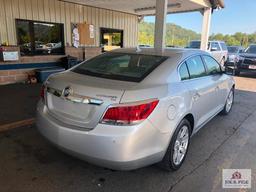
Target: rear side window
point(184, 72)
point(196, 67)
point(212, 65)
point(120, 66)
point(215, 46)
point(223, 46)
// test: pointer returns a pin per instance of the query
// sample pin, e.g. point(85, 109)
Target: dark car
point(233, 53)
point(247, 60)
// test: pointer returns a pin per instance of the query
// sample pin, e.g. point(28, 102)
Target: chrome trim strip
point(75, 97)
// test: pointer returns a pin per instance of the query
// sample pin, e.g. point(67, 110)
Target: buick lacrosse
point(130, 108)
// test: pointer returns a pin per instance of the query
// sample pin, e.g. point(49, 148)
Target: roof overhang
point(147, 7)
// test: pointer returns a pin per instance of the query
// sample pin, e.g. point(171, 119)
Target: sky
point(237, 16)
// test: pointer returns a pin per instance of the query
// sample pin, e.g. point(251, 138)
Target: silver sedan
point(131, 108)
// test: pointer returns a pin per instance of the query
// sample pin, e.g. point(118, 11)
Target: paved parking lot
point(29, 163)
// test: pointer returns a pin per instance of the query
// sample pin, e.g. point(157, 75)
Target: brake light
point(42, 92)
point(129, 114)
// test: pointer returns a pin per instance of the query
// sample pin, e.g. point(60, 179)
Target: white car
point(131, 108)
point(217, 49)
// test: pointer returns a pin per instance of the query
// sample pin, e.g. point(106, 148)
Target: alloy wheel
point(181, 145)
point(230, 100)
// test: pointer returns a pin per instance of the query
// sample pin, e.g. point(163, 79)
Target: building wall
point(57, 12)
point(66, 13)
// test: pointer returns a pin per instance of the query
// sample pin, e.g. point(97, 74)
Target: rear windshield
point(233, 49)
point(251, 49)
point(120, 66)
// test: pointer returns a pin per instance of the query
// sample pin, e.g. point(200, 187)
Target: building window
point(111, 39)
point(40, 38)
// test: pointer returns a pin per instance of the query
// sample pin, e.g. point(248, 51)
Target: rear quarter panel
point(163, 84)
point(172, 107)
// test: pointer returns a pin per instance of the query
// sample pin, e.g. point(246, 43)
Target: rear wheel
point(229, 103)
point(237, 72)
point(178, 147)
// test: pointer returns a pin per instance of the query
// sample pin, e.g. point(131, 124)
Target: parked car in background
point(127, 109)
point(173, 46)
point(144, 46)
point(218, 49)
point(233, 53)
point(233, 56)
point(247, 60)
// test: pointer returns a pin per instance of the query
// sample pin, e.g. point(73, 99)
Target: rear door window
point(120, 66)
point(196, 67)
point(213, 66)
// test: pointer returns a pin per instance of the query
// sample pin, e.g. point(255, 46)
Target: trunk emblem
point(68, 94)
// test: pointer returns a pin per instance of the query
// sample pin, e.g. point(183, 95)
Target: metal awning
point(161, 8)
point(147, 7)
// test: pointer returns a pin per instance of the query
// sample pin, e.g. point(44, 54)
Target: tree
point(178, 36)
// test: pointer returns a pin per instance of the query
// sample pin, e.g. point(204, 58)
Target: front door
point(111, 39)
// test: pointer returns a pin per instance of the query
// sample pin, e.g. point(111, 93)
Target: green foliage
point(175, 35)
point(178, 36)
point(238, 38)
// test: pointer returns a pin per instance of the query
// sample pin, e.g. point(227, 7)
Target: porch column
point(160, 25)
point(207, 13)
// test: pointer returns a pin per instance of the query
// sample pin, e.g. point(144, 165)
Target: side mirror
point(214, 49)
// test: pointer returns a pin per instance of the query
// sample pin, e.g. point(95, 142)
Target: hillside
point(176, 35)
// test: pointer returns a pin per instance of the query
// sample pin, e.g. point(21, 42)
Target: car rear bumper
point(115, 147)
point(246, 67)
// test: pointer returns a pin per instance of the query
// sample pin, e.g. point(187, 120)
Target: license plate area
point(252, 66)
point(69, 109)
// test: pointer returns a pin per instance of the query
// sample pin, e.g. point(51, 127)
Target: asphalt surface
point(18, 101)
point(29, 163)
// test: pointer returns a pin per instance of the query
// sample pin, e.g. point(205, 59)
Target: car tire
point(178, 147)
point(237, 72)
point(229, 103)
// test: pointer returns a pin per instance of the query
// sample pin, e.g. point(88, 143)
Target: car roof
point(208, 41)
point(169, 52)
point(235, 46)
point(217, 41)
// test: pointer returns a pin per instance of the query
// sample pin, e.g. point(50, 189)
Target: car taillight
point(128, 114)
point(42, 92)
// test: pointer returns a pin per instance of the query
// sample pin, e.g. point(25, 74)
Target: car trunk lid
point(81, 100)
